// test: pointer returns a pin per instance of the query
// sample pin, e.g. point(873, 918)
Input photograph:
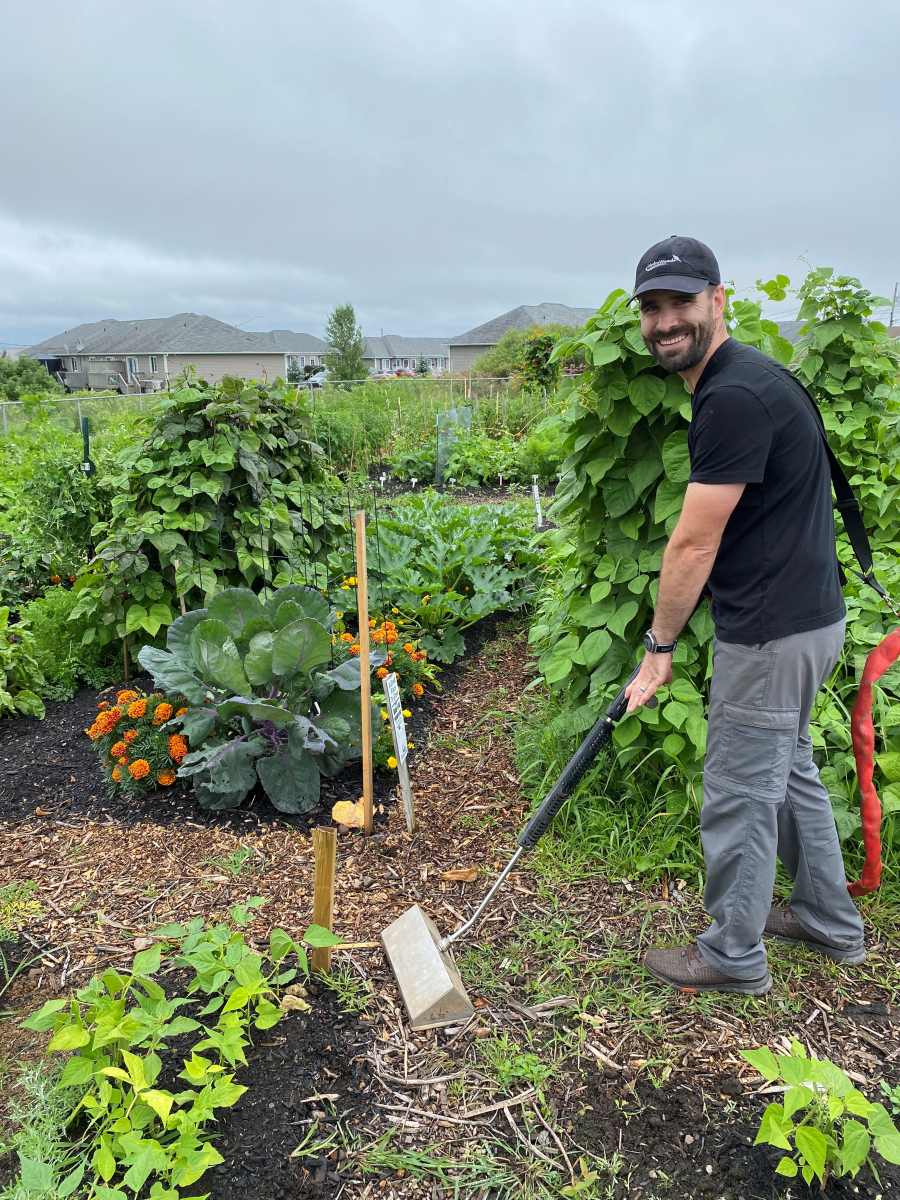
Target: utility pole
point(893, 306)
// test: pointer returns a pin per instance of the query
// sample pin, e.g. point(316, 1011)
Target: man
point(757, 532)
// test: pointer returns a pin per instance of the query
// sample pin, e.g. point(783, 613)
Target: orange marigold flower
point(163, 712)
point(381, 673)
point(137, 709)
point(388, 660)
point(420, 656)
point(409, 648)
point(123, 760)
point(71, 579)
point(372, 623)
point(126, 696)
point(181, 712)
point(418, 690)
point(377, 637)
point(56, 579)
point(130, 735)
point(178, 747)
point(354, 649)
point(166, 778)
point(117, 774)
point(104, 704)
point(390, 626)
point(118, 750)
point(139, 768)
point(346, 637)
point(390, 638)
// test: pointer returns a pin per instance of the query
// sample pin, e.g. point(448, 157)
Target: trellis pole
point(324, 855)
point(365, 678)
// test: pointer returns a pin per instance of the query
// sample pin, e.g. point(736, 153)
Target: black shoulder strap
point(846, 503)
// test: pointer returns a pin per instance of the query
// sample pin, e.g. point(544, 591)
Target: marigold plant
point(406, 659)
point(145, 756)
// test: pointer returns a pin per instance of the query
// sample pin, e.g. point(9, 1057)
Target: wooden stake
point(325, 853)
point(365, 690)
point(125, 656)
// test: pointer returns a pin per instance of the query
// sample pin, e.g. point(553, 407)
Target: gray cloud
point(436, 163)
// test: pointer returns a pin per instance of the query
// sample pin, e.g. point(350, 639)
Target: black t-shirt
point(776, 572)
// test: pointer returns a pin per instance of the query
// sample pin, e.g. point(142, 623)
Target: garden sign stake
point(401, 746)
point(426, 973)
point(324, 854)
point(365, 689)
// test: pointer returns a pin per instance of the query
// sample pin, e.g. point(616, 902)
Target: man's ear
point(718, 300)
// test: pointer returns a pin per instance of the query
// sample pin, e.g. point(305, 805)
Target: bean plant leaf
point(855, 1146)
point(317, 937)
point(763, 1060)
point(787, 1166)
point(774, 1128)
point(812, 1145)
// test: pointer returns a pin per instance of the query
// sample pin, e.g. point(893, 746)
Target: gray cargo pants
point(762, 796)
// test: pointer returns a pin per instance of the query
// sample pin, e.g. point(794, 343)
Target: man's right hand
point(656, 672)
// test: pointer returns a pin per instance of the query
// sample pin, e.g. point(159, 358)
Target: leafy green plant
point(624, 425)
point(512, 1065)
point(444, 566)
point(26, 376)
point(252, 669)
point(17, 905)
point(540, 368)
point(820, 1112)
point(477, 458)
point(211, 496)
point(61, 655)
point(416, 463)
point(126, 1131)
point(20, 677)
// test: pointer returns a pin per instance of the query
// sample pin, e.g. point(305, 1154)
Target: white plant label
point(537, 503)
point(395, 716)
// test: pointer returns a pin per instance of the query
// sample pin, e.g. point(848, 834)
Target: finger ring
point(641, 689)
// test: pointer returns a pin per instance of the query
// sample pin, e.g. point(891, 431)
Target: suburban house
point(393, 353)
point(134, 356)
point(465, 348)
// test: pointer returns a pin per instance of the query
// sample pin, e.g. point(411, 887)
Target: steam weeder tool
point(420, 958)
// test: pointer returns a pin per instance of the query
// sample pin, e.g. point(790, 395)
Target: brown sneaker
point(685, 967)
point(783, 926)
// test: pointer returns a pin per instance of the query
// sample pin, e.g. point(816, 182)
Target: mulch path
point(108, 872)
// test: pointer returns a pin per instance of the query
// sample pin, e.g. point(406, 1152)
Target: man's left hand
point(656, 672)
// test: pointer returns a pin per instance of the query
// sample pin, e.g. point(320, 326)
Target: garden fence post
point(4, 420)
point(365, 678)
point(324, 855)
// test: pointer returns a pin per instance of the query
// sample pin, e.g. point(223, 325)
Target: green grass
point(353, 992)
point(241, 859)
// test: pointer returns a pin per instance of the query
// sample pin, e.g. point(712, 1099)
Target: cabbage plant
point(264, 703)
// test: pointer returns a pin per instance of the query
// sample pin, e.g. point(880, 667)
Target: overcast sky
point(435, 162)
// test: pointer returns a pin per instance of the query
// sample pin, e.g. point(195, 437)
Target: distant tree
point(536, 369)
point(423, 366)
point(502, 360)
point(294, 373)
point(346, 345)
point(25, 376)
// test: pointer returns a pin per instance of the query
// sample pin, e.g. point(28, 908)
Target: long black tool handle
point(578, 764)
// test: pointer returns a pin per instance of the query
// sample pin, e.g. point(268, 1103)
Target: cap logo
point(662, 262)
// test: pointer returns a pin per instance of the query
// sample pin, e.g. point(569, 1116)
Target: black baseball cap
point(679, 264)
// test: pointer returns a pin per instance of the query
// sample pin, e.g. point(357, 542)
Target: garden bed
point(646, 1086)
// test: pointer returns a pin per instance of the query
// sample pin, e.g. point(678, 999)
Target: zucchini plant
point(256, 667)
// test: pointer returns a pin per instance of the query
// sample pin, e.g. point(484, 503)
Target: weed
point(511, 1065)
point(476, 1169)
point(353, 993)
point(241, 859)
point(17, 908)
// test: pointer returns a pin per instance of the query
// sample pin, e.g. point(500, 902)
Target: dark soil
point(721, 1123)
point(51, 768)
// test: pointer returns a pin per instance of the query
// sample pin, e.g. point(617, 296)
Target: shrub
point(139, 749)
point(63, 659)
point(261, 705)
point(26, 376)
point(20, 677)
point(503, 360)
point(211, 496)
point(624, 427)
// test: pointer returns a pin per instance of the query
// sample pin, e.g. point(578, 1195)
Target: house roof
point(394, 346)
point(295, 343)
point(185, 333)
point(522, 318)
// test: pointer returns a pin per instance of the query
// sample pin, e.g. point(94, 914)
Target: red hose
point(880, 660)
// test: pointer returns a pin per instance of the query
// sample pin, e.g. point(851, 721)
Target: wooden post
point(365, 690)
point(325, 853)
point(125, 655)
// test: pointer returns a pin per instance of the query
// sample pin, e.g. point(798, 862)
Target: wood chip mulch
point(105, 884)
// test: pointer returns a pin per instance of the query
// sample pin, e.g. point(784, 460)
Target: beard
point(686, 354)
